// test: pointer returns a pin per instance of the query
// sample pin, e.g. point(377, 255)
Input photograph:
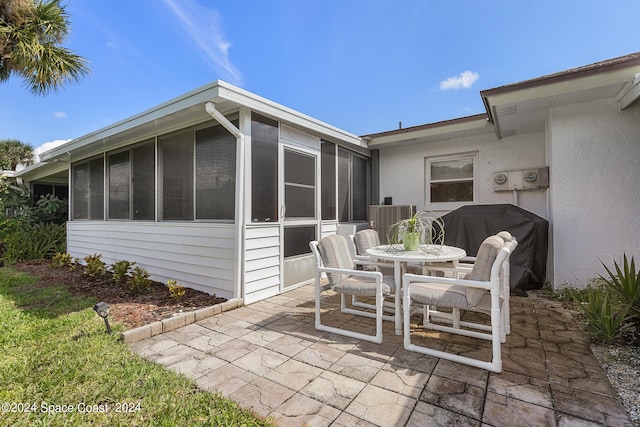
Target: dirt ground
point(127, 308)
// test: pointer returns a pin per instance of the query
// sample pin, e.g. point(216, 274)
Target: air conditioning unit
point(381, 217)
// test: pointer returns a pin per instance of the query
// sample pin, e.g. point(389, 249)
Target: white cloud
point(60, 115)
point(204, 26)
point(465, 80)
point(48, 146)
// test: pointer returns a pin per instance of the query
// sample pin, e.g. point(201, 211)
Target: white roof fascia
point(200, 95)
point(218, 90)
point(430, 133)
point(42, 170)
point(544, 90)
point(262, 105)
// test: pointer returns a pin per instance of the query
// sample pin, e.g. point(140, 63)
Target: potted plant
point(417, 229)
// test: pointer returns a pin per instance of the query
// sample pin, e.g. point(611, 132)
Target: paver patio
point(268, 357)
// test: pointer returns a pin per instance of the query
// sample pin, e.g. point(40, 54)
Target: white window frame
point(449, 205)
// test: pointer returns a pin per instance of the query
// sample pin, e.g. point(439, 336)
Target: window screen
point(215, 173)
point(264, 169)
point(328, 179)
point(296, 240)
point(96, 189)
point(119, 185)
point(299, 185)
point(176, 160)
point(80, 192)
point(143, 181)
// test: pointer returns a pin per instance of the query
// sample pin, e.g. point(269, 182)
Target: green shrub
point(34, 241)
point(139, 281)
point(60, 260)
point(95, 267)
point(606, 320)
point(625, 284)
point(176, 291)
point(120, 269)
point(49, 208)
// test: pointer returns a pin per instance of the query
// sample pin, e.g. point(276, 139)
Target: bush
point(625, 284)
point(60, 260)
point(120, 269)
point(606, 320)
point(176, 291)
point(27, 241)
point(95, 267)
point(139, 281)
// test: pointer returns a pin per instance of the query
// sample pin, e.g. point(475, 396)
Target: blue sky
point(360, 65)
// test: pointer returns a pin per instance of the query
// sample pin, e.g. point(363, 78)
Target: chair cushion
point(482, 267)
point(366, 239)
point(335, 253)
point(364, 286)
point(439, 294)
point(505, 235)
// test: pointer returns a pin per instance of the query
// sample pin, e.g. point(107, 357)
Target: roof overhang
point(189, 110)
point(449, 129)
point(524, 107)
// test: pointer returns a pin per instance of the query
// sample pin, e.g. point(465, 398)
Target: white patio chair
point(463, 294)
point(463, 270)
point(333, 257)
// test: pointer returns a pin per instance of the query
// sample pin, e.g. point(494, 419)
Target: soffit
point(524, 107)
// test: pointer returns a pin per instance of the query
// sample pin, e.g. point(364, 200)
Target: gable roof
point(523, 107)
point(187, 110)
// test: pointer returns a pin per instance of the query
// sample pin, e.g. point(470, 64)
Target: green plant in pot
point(417, 229)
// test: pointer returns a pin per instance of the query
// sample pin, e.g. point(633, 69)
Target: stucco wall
point(402, 168)
point(594, 155)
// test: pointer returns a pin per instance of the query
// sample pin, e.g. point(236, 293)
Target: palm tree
point(14, 152)
point(30, 34)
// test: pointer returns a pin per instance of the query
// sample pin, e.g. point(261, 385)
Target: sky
point(360, 65)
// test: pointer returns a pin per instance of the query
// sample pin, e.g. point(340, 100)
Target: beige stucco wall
point(402, 168)
point(594, 157)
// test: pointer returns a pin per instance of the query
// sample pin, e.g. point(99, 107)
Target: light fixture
point(102, 309)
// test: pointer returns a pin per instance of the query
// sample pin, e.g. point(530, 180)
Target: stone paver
point(269, 358)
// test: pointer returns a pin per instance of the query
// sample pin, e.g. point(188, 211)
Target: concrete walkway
point(269, 358)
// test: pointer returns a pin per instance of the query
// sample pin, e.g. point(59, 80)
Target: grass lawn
point(59, 367)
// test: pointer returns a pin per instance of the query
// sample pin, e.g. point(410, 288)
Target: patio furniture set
point(438, 282)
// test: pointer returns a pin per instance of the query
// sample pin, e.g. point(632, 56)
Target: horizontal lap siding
point(197, 255)
point(261, 262)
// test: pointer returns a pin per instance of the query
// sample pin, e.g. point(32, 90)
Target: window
point(143, 182)
point(450, 180)
point(119, 185)
point(131, 179)
point(87, 182)
point(328, 180)
point(215, 174)
point(299, 185)
point(353, 186)
point(175, 181)
point(264, 169)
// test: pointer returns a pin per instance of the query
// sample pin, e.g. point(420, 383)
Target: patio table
point(426, 254)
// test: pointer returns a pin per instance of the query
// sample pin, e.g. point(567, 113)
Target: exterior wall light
point(102, 309)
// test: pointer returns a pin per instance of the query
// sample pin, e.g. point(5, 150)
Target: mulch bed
point(127, 308)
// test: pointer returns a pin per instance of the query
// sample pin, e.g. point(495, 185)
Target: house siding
point(197, 255)
point(402, 169)
point(594, 152)
point(261, 262)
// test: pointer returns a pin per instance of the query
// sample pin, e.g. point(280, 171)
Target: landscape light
point(102, 309)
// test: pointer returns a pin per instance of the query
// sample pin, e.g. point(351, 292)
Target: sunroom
point(218, 189)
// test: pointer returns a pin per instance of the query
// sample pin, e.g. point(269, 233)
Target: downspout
point(210, 107)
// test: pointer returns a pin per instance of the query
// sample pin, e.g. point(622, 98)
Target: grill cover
point(468, 226)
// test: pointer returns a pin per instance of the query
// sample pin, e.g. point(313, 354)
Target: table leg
point(397, 271)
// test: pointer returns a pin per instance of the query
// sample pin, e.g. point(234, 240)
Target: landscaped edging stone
point(175, 322)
